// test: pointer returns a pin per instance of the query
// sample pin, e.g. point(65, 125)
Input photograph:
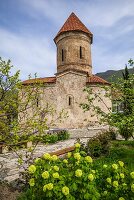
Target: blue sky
point(27, 29)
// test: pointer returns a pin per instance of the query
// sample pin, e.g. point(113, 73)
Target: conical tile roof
point(73, 23)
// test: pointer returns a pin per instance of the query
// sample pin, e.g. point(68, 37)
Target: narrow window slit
point(80, 52)
point(70, 101)
point(62, 55)
point(37, 102)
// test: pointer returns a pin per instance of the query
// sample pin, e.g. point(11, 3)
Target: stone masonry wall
point(70, 43)
point(71, 85)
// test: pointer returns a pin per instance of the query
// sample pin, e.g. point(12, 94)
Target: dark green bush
point(111, 134)
point(95, 147)
point(63, 135)
point(99, 145)
point(50, 138)
point(126, 131)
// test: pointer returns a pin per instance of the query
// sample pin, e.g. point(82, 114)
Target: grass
point(119, 150)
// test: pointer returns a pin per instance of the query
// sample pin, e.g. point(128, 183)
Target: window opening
point(80, 52)
point(37, 102)
point(70, 101)
point(117, 107)
point(62, 55)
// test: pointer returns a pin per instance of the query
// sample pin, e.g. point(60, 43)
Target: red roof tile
point(91, 80)
point(97, 80)
point(73, 23)
point(40, 80)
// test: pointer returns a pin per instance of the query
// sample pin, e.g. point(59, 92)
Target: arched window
point(62, 54)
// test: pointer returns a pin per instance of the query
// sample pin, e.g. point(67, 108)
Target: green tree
point(8, 98)
point(127, 91)
point(123, 92)
point(24, 116)
point(124, 120)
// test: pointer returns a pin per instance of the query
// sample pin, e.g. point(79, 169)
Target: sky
point(28, 27)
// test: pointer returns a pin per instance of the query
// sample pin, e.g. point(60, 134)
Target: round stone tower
point(73, 43)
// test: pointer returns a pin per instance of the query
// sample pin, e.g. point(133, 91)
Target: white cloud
point(50, 9)
point(109, 60)
point(107, 13)
point(32, 52)
point(94, 13)
point(27, 53)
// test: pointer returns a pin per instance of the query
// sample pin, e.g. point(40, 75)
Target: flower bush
point(76, 177)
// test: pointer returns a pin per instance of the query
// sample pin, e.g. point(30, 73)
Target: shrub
point(94, 147)
point(76, 177)
point(125, 130)
point(52, 136)
point(99, 144)
point(63, 135)
point(111, 134)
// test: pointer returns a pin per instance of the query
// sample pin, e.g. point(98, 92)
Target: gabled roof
point(96, 80)
point(39, 80)
point(90, 80)
point(73, 23)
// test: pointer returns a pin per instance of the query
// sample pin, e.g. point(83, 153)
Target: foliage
point(99, 144)
point(52, 137)
point(8, 98)
point(118, 150)
point(95, 102)
point(77, 178)
point(63, 135)
point(56, 136)
point(124, 120)
point(49, 138)
point(128, 106)
point(24, 115)
point(122, 91)
point(45, 138)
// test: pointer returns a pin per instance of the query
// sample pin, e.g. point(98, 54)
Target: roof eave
point(97, 83)
point(36, 83)
point(89, 34)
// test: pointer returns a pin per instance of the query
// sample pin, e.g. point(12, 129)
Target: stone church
point(74, 73)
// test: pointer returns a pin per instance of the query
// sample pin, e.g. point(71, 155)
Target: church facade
point(74, 73)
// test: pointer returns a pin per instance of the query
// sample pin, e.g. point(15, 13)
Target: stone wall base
point(87, 132)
